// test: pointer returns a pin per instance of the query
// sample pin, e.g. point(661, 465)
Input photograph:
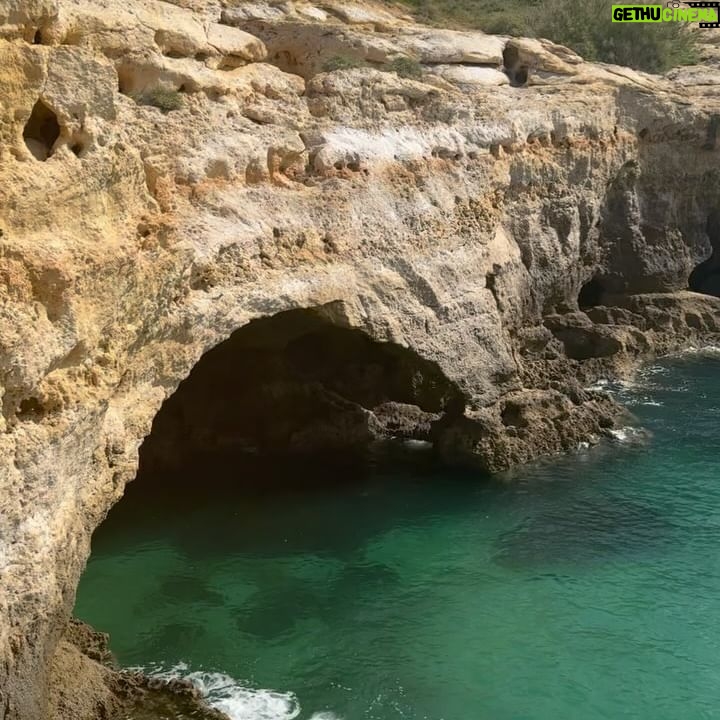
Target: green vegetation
point(406, 67)
point(586, 27)
point(161, 97)
point(583, 25)
point(510, 17)
point(342, 62)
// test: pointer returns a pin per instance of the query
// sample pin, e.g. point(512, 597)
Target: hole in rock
point(37, 39)
point(512, 415)
point(515, 69)
point(263, 470)
point(297, 384)
point(511, 57)
point(705, 278)
point(41, 131)
point(712, 133)
point(591, 294)
point(29, 408)
point(520, 76)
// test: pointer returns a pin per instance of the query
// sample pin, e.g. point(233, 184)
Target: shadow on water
point(332, 507)
point(578, 510)
point(280, 508)
point(269, 614)
point(189, 591)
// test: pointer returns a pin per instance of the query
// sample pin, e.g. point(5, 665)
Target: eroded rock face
point(170, 172)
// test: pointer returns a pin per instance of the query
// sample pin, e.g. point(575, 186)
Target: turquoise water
point(586, 588)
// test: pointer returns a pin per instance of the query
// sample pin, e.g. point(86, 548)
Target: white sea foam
point(629, 435)
point(236, 700)
point(599, 385)
point(242, 703)
point(700, 350)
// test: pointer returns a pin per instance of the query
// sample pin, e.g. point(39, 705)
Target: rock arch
point(297, 383)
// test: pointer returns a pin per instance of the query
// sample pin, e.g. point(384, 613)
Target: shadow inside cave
point(705, 278)
point(298, 383)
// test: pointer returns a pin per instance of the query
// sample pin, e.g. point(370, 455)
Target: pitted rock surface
point(172, 171)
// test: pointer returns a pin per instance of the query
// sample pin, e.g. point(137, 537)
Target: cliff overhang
point(472, 247)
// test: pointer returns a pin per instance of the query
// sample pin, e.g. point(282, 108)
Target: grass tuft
point(406, 67)
point(166, 99)
point(342, 62)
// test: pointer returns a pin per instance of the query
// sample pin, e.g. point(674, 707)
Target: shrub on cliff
point(584, 25)
point(164, 98)
point(494, 16)
point(406, 67)
point(342, 62)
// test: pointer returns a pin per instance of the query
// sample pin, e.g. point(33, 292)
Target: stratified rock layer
point(501, 228)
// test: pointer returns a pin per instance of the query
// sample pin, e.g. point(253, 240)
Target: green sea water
point(580, 588)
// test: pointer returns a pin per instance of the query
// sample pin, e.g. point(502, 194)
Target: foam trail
point(241, 703)
point(235, 700)
point(630, 435)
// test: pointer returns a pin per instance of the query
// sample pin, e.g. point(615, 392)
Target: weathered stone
point(472, 75)
point(234, 43)
point(24, 18)
point(452, 46)
point(147, 217)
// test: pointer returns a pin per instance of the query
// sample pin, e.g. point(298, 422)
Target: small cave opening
point(297, 384)
point(41, 131)
point(705, 277)
point(591, 293)
point(517, 71)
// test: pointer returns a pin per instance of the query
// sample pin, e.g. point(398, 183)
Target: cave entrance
point(705, 278)
point(296, 384)
point(260, 485)
point(41, 131)
point(591, 294)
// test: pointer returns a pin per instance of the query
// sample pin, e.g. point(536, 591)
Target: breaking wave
point(236, 700)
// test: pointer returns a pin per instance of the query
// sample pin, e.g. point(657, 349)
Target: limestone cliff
point(475, 242)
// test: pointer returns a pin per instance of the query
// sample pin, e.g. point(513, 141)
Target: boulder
point(236, 44)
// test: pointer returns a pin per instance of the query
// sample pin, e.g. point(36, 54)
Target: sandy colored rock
point(470, 75)
point(452, 46)
point(230, 41)
point(438, 222)
point(24, 18)
point(358, 13)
